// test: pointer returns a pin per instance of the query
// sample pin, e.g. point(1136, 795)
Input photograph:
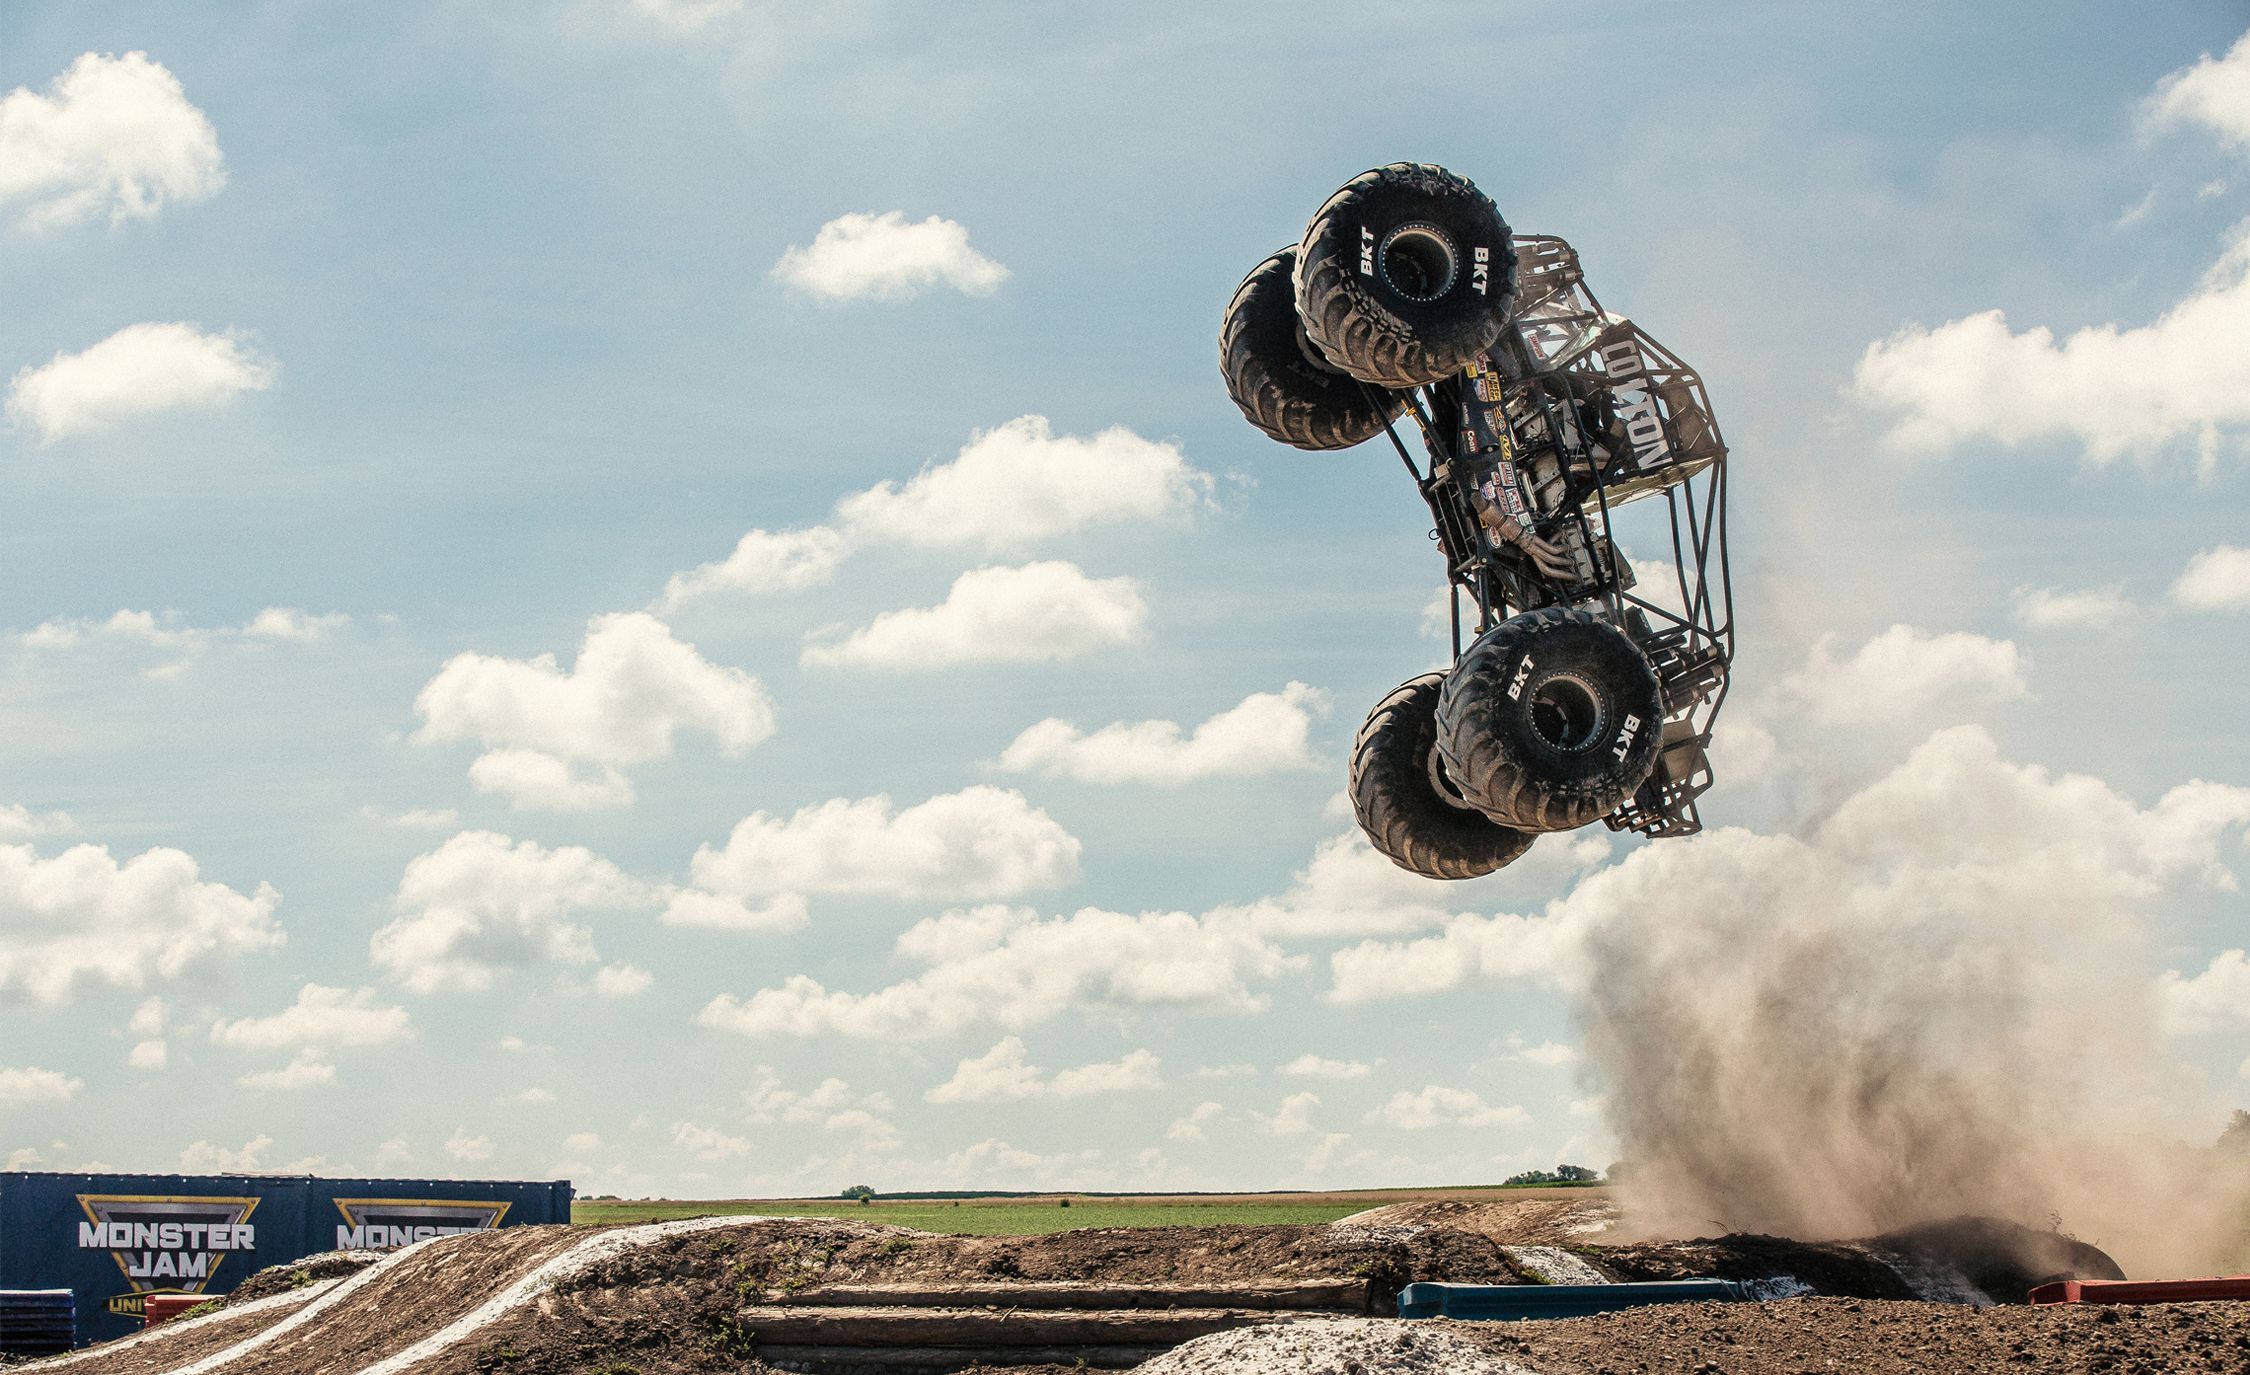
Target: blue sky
point(476, 326)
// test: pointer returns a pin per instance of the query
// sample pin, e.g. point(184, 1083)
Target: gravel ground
point(1344, 1346)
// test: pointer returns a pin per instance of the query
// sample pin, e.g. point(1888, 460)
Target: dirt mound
point(1969, 1260)
point(1544, 1217)
point(1835, 1269)
point(1345, 1346)
point(278, 1279)
point(691, 1303)
point(2003, 1260)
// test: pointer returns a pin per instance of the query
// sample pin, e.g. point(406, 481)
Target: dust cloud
point(1939, 1000)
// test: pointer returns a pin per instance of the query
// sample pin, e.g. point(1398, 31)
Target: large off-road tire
point(1282, 383)
point(1550, 720)
point(1405, 275)
point(1404, 802)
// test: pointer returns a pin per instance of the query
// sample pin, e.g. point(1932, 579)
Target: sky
point(667, 592)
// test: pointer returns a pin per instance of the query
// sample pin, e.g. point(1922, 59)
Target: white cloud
point(2086, 608)
point(832, 1104)
point(469, 1149)
point(139, 370)
point(172, 637)
point(421, 818)
point(481, 903)
point(20, 1088)
point(1469, 949)
point(112, 135)
point(981, 842)
point(1001, 1075)
point(82, 919)
point(683, 16)
point(1907, 673)
point(1293, 1117)
point(288, 623)
point(1006, 967)
point(1009, 488)
point(1349, 890)
point(1437, 1105)
point(148, 1019)
point(533, 1097)
point(730, 912)
point(2117, 390)
point(19, 820)
point(1547, 1054)
point(1266, 733)
point(1020, 484)
point(582, 1143)
point(1190, 1126)
point(2218, 579)
point(204, 1157)
point(2215, 999)
point(764, 561)
point(622, 981)
point(632, 690)
point(1953, 834)
point(321, 1017)
point(1040, 612)
point(528, 778)
point(883, 257)
point(308, 1069)
point(1319, 1067)
point(708, 1143)
point(2215, 93)
point(148, 1055)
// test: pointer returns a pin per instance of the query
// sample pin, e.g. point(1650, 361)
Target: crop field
point(1028, 1215)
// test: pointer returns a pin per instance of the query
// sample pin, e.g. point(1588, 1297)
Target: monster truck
point(1576, 692)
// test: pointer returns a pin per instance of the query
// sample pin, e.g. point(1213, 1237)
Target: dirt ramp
point(184, 1341)
point(835, 1296)
point(1544, 1217)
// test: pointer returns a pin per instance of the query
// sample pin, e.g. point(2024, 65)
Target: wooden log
point(985, 1327)
point(1341, 1296)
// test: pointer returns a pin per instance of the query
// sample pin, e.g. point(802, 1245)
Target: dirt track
point(711, 1295)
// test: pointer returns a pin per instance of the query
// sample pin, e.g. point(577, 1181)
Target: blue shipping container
point(115, 1239)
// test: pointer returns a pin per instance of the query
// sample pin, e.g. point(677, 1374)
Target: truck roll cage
point(1573, 413)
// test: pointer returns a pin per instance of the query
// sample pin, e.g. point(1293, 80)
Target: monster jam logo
point(164, 1245)
point(380, 1224)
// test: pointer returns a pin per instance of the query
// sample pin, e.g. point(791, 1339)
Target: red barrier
point(158, 1308)
point(2143, 1291)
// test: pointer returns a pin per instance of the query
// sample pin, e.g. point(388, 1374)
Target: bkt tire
point(1406, 805)
point(1405, 275)
point(1550, 720)
point(1282, 383)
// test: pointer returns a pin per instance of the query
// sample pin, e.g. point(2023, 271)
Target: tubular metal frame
point(1591, 413)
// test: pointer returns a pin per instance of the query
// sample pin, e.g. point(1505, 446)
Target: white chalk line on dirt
point(595, 1249)
point(344, 1289)
point(167, 1331)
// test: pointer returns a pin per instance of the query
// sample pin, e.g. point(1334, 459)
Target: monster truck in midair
point(1579, 691)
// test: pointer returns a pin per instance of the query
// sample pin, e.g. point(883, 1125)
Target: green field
point(1012, 1218)
point(1025, 1216)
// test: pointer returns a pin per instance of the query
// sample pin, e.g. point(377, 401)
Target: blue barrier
point(37, 1322)
point(1515, 1302)
point(115, 1239)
